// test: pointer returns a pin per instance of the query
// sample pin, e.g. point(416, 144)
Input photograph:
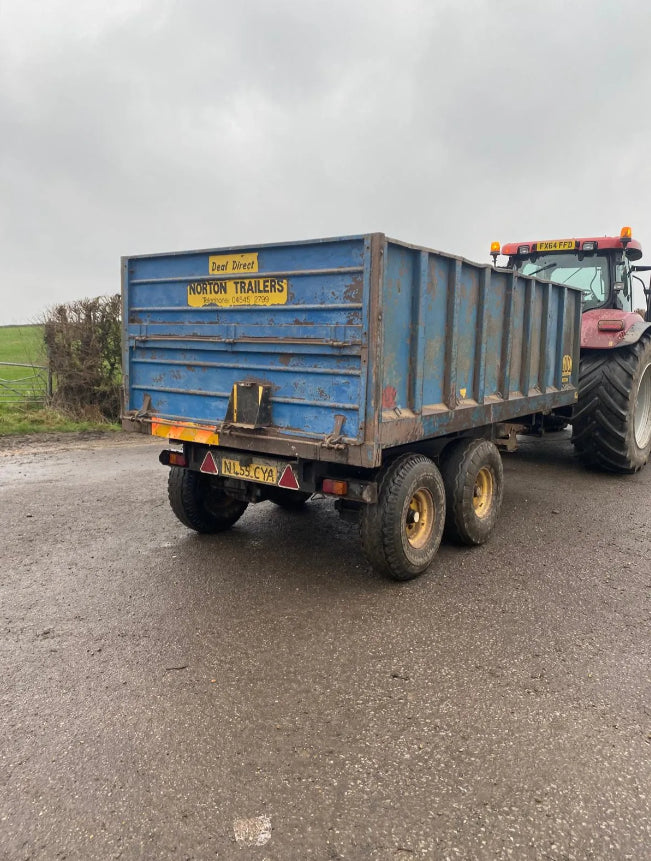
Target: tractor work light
point(590, 245)
point(523, 249)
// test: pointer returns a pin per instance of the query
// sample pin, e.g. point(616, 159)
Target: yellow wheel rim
point(482, 495)
point(421, 514)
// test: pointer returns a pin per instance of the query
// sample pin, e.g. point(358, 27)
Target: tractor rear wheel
point(611, 427)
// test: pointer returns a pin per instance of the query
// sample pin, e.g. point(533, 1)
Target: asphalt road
point(263, 695)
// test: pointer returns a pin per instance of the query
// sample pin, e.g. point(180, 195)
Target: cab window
point(590, 274)
point(624, 298)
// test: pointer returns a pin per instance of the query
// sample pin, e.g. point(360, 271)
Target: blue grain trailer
point(375, 372)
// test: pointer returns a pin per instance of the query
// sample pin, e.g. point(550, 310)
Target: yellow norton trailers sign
point(247, 288)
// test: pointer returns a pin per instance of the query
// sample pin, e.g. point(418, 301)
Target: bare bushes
point(82, 339)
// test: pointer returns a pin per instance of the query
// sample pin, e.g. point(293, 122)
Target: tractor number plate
point(557, 245)
point(260, 472)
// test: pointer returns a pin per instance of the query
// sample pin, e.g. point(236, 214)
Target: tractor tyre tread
point(603, 420)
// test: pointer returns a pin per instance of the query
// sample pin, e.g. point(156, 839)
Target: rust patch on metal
point(389, 398)
point(353, 293)
point(432, 285)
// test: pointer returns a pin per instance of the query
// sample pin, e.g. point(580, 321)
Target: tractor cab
point(611, 420)
point(601, 266)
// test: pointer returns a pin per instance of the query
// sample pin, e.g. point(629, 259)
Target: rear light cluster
point(172, 458)
point(610, 325)
point(335, 486)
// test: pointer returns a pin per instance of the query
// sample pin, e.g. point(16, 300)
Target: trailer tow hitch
point(334, 440)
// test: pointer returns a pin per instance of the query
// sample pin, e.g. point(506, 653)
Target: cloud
point(151, 126)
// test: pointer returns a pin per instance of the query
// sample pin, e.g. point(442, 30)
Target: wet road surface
point(263, 695)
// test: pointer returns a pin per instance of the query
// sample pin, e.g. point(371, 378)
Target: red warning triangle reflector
point(288, 479)
point(209, 465)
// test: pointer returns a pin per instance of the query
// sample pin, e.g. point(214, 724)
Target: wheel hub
point(421, 514)
point(482, 497)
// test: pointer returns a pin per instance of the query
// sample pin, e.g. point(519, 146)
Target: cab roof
point(601, 243)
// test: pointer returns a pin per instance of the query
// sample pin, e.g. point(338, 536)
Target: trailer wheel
point(199, 503)
point(474, 481)
point(402, 531)
point(291, 500)
point(612, 420)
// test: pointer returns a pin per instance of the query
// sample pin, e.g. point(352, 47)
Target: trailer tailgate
point(289, 318)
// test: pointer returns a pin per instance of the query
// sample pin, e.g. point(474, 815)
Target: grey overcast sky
point(157, 125)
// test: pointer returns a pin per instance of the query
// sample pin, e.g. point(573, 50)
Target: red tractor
point(611, 422)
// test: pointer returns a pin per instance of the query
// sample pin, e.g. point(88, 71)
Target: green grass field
point(21, 344)
point(19, 385)
point(24, 344)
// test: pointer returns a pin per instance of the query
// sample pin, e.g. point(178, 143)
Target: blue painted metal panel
point(466, 345)
point(309, 349)
point(402, 341)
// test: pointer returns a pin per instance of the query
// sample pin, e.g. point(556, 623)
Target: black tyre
point(474, 483)
point(402, 531)
point(199, 503)
point(612, 420)
point(291, 500)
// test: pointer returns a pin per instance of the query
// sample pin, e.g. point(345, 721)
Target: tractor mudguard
point(617, 329)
